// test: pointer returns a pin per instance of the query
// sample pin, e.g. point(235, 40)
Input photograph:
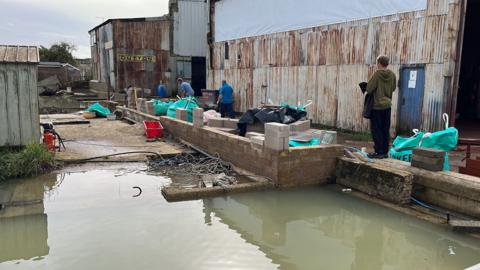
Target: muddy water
point(90, 220)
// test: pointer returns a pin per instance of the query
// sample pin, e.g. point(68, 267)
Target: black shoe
point(377, 156)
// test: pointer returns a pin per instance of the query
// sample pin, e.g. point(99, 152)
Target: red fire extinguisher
point(49, 141)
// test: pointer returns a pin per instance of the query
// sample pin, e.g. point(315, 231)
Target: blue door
point(410, 103)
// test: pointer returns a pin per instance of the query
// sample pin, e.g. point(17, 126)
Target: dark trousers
point(380, 127)
point(226, 109)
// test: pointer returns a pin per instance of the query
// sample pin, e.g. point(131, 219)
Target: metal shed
point(19, 117)
point(294, 57)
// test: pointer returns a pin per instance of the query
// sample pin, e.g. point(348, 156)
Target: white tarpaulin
point(245, 18)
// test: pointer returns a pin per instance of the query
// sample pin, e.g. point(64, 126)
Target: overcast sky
point(43, 22)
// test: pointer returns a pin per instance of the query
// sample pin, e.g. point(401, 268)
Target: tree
point(58, 52)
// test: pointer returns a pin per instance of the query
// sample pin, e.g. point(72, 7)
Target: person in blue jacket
point(225, 100)
point(185, 89)
point(161, 90)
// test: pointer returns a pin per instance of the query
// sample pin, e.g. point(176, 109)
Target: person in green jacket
point(382, 85)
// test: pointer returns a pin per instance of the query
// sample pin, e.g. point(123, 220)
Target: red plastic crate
point(153, 129)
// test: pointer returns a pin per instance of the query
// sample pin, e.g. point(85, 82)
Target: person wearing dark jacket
point(382, 85)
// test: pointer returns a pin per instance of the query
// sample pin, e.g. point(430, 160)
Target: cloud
point(56, 35)
point(82, 52)
point(48, 21)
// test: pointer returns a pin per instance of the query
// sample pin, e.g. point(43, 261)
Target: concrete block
point(375, 180)
point(276, 143)
point(198, 117)
point(182, 114)
point(428, 163)
point(197, 113)
point(300, 126)
point(428, 152)
point(251, 134)
point(318, 134)
point(277, 130)
point(140, 104)
point(198, 122)
point(258, 142)
point(149, 108)
point(428, 159)
point(230, 123)
point(216, 122)
point(329, 137)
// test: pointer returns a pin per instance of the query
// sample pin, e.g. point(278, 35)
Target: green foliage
point(32, 160)
point(59, 52)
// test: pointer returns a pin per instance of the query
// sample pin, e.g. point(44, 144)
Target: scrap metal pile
point(211, 169)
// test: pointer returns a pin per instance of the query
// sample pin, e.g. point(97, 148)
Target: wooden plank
point(12, 107)
point(465, 225)
point(4, 131)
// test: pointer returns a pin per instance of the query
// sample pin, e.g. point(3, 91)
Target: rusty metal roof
point(139, 19)
point(18, 54)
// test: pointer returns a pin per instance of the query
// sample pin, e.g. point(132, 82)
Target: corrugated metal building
point(143, 51)
point(324, 60)
point(189, 20)
point(19, 117)
point(131, 51)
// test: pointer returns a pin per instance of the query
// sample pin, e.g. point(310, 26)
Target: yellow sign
point(137, 58)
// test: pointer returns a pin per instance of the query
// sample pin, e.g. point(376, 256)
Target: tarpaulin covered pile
point(99, 110)
point(284, 115)
point(188, 103)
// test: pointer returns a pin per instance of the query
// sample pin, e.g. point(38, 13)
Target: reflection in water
point(23, 237)
point(323, 229)
point(23, 223)
point(95, 223)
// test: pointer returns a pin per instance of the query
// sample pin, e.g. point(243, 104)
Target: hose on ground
point(112, 155)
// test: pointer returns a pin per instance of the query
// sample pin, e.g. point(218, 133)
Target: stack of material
point(149, 109)
point(300, 126)
point(215, 122)
point(428, 159)
point(140, 103)
point(329, 137)
point(230, 123)
point(198, 117)
point(277, 136)
point(182, 114)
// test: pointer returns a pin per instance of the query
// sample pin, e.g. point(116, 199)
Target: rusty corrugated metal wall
point(326, 63)
point(149, 37)
point(101, 40)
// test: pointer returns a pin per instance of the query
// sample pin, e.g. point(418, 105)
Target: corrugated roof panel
point(18, 54)
point(190, 28)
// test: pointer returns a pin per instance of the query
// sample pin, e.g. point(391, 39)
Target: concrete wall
point(449, 190)
point(295, 167)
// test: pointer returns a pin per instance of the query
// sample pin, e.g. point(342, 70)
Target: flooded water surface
point(90, 219)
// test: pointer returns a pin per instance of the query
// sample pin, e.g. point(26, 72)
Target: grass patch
point(33, 159)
